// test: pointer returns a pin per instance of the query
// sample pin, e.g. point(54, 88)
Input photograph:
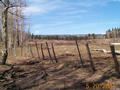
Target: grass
point(67, 70)
point(67, 47)
point(61, 48)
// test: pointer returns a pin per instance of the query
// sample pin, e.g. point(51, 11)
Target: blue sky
point(72, 16)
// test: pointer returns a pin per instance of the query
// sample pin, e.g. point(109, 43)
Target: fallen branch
point(9, 71)
point(115, 44)
point(107, 52)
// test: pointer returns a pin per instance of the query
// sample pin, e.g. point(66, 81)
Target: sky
point(49, 17)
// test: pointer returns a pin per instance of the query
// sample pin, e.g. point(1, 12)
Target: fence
point(39, 50)
point(29, 50)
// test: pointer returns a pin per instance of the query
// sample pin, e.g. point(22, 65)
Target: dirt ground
point(27, 73)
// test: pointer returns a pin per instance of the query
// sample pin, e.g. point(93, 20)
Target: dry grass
point(67, 74)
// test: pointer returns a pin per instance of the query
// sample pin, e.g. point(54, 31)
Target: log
point(107, 52)
point(115, 44)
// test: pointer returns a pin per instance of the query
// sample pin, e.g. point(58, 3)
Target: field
point(68, 74)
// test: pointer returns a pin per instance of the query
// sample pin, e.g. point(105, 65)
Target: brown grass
point(67, 74)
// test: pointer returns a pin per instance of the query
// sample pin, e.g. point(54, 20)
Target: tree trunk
point(17, 29)
point(5, 32)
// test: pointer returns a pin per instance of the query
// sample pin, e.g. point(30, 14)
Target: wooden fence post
point(12, 51)
point(48, 51)
point(37, 50)
point(79, 53)
point(9, 52)
point(90, 58)
point(28, 51)
point(15, 51)
point(21, 50)
point(42, 51)
point(117, 66)
point(54, 53)
point(31, 51)
point(41, 66)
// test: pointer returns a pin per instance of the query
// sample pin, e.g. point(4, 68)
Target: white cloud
point(38, 1)
point(37, 32)
point(74, 12)
point(39, 7)
point(33, 10)
point(38, 28)
point(53, 24)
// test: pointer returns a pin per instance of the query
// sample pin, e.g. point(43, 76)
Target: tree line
point(113, 33)
point(64, 37)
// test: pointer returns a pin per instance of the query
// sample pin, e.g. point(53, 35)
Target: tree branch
point(16, 15)
point(13, 6)
point(3, 3)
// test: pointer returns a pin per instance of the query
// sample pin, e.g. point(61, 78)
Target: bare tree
point(7, 5)
point(5, 29)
